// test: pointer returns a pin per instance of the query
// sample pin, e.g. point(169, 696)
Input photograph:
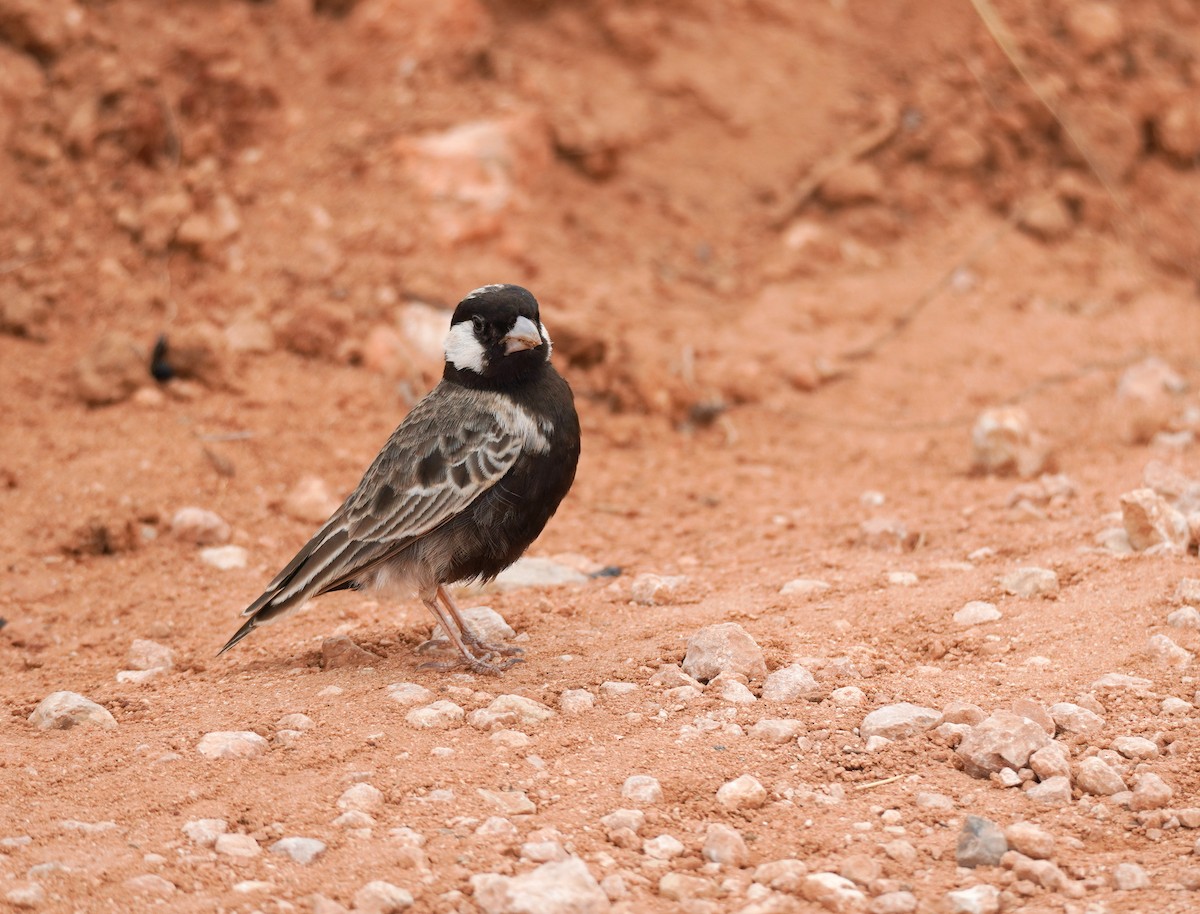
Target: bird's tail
point(247, 627)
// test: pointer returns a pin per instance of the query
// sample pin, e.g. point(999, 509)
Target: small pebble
point(642, 788)
point(1129, 877)
point(302, 850)
point(441, 715)
point(980, 843)
point(235, 844)
point(664, 847)
point(725, 846)
point(576, 701)
point(227, 744)
point(380, 897)
point(977, 612)
point(743, 793)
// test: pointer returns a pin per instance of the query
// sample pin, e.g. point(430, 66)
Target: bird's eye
point(479, 323)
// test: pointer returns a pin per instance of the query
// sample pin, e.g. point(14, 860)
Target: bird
point(463, 486)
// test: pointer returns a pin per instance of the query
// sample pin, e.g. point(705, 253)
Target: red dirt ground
point(789, 252)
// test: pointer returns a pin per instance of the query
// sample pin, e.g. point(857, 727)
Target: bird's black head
point(496, 338)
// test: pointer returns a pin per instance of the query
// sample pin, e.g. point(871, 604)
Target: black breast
point(499, 525)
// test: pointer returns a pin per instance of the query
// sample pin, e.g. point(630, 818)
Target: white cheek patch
point(546, 339)
point(463, 350)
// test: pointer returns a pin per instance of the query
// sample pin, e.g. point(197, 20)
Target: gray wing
point(446, 453)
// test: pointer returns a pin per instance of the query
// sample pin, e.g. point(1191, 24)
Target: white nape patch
point(483, 290)
point(463, 350)
point(546, 339)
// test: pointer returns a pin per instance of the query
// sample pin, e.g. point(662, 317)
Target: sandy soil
point(789, 253)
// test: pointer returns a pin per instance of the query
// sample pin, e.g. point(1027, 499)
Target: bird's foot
point(475, 664)
point(487, 647)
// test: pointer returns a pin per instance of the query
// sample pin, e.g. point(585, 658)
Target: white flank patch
point(463, 350)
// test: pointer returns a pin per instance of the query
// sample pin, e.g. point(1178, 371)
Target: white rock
point(149, 655)
point(1026, 838)
point(303, 850)
point(1054, 791)
point(1129, 877)
point(615, 689)
point(1135, 747)
point(508, 802)
point(723, 648)
point(1121, 682)
point(295, 721)
point(1166, 652)
point(642, 788)
point(977, 612)
point(978, 899)
point(898, 902)
point(653, 589)
point(1150, 792)
point(785, 875)
point(804, 587)
point(140, 677)
point(526, 711)
point(205, 831)
point(380, 897)
point(25, 895)
point(512, 739)
point(1188, 590)
point(150, 884)
point(1004, 442)
point(231, 744)
point(1172, 705)
point(631, 819)
point(1150, 521)
point(664, 847)
point(576, 701)
point(1050, 761)
point(199, 527)
point(250, 886)
point(899, 721)
point(1095, 776)
point(537, 572)
point(742, 793)
point(362, 797)
point(1184, 617)
point(224, 558)
point(1145, 399)
point(834, 893)
point(409, 693)
point(777, 731)
point(732, 691)
point(543, 851)
point(441, 715)
point(725, 846)
point(354, 818)
point(902, 579)
point(669, 676)
point(235, 844)
point(497, 827)
point(1071, 718)
point(1004, 740)
point(63, 710)
point(1030, 582)
point(848, 697)
point(792, 683)
point(564, 887)
point(488, 624)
